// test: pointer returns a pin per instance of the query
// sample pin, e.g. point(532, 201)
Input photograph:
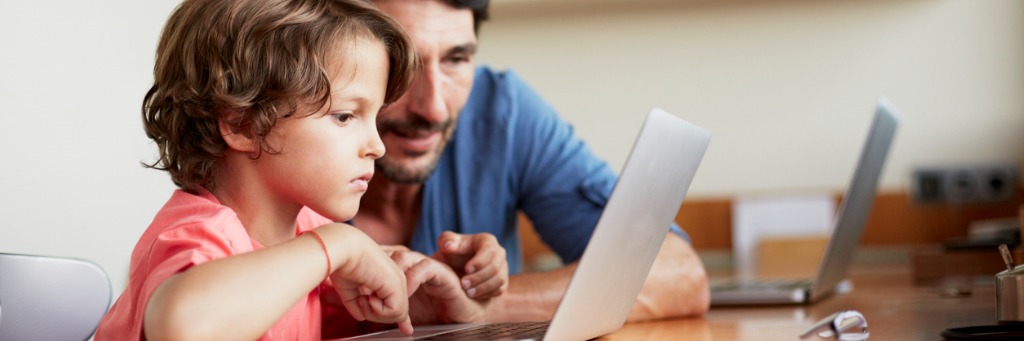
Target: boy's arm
point(437, 293)
point(242, 296)
point(677, 286)
point(437, 297)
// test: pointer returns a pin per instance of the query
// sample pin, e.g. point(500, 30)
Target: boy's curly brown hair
point(251, 62)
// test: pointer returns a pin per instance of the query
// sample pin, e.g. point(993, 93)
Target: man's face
point(416, 128)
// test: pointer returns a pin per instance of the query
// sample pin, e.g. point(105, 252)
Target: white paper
point(779, 215)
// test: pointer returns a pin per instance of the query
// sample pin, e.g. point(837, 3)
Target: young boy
point(264, 115)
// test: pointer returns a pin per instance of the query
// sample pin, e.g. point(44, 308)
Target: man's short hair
point(252, 62)
point(479, 8)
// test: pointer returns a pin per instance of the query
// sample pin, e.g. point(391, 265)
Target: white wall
point(72, 77)
point(786, 86)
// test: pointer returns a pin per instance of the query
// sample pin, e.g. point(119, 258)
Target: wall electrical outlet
point(964, 183)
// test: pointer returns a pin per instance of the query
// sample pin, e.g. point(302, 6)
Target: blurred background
point(787, 88)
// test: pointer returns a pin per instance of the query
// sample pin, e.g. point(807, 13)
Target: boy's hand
point(372, 287)
point(479, 261)
point(436, 295)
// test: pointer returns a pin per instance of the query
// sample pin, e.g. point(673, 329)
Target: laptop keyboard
point(493, 331)
point(762, 284)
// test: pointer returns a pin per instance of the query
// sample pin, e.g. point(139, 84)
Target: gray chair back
point(51, 298)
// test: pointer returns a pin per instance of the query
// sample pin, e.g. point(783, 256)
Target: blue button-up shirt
point(510, 151)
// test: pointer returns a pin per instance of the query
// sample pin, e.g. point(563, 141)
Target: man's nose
point(426, 95)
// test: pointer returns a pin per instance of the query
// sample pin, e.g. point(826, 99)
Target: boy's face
point(417, 127)
point(326, 159)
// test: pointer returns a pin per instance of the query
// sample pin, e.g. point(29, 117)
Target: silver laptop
point(622, 248)
point(846, 231)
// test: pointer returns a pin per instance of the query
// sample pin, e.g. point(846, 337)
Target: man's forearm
point(531, 296)
point(677, 286)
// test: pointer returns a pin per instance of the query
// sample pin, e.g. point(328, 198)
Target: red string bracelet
point(323, 246)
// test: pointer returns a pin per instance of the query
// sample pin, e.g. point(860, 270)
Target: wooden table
point(894, 308)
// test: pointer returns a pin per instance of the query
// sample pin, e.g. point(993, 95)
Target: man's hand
point(479, 261)
point(676, 286)
point(437, 296)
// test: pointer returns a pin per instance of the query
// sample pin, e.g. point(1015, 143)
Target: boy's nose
point(374, 147)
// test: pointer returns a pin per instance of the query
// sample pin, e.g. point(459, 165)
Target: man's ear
point(236, 140)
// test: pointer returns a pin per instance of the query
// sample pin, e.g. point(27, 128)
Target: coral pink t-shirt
point(190, 230)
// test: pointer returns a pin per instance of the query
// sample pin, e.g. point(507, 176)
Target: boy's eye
point(343, 117)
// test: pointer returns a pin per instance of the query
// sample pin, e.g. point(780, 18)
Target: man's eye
point(458, 59)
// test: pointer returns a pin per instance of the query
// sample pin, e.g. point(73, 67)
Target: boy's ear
point(236, 140)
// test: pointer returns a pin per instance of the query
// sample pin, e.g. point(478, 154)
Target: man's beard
point(398, 173)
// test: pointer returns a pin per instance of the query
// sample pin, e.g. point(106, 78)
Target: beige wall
point(72, 77)
point(786, 87)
